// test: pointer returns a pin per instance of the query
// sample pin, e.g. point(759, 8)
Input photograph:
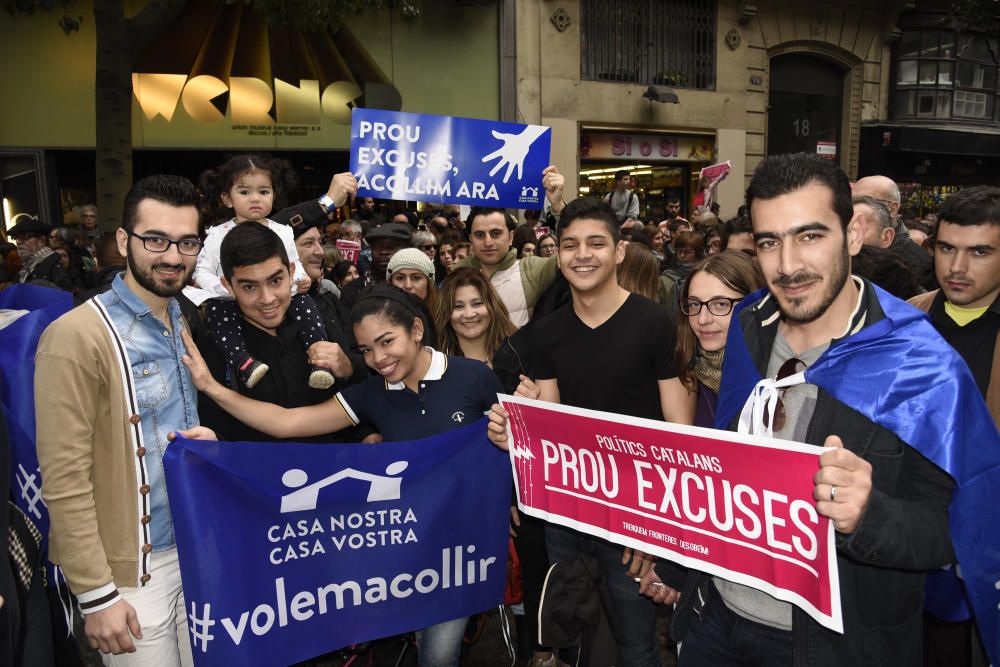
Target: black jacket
point(285, 384)
point(903, 533)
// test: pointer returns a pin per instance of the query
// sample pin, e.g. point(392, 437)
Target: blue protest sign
point(448, 160)
point(289, 551)
point(18, 343)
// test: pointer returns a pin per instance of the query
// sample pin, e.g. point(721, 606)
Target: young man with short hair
point(257, 272)
point(622, 200)
point(630, 376)
point(888, 503)
point(966, 312)
point(110, 390)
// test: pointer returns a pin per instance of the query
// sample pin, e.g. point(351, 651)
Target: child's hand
point(304, 284)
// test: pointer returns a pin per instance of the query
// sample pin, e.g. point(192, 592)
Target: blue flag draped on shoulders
point(899, 373)
point(288, 551)
point(18, 343)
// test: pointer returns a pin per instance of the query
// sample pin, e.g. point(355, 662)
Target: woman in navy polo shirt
point(418, 392)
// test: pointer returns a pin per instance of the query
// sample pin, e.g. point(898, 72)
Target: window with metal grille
point(663, 42)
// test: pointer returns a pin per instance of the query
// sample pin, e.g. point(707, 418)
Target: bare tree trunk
point(113, 107)
point(116, 40)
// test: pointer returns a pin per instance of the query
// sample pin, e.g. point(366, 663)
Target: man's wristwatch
point(326, 201)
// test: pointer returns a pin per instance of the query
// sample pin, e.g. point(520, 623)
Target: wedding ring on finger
point(833, 494)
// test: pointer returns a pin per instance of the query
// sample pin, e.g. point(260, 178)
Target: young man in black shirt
point(966, 312)
point(258, 273)
point(608, 350)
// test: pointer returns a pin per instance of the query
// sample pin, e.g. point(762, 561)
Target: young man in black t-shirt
point(613, 351)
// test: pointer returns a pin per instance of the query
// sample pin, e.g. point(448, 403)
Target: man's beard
point(839, 277)
point(148, 282)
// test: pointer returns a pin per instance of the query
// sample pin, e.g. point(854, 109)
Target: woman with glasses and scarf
point(716, 284)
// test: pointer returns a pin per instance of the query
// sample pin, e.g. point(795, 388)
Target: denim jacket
point(164, 390)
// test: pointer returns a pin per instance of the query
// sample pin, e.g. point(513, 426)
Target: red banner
point(735, 506)
point(349, 250)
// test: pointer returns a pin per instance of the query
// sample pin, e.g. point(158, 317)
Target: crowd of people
point(260, 329)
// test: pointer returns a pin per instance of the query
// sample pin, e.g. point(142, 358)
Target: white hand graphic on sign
point(514, 150)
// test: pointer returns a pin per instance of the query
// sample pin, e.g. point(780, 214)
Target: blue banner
point(289, 551)
point(448, 160)
point(18, 342)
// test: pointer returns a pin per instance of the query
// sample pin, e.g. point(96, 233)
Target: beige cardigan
point(87, 437)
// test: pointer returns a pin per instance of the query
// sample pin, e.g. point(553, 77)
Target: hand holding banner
point(288, 551)
point(735, 506)
point(448, 160)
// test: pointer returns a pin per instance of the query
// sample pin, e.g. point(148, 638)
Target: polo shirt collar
point(439, 364)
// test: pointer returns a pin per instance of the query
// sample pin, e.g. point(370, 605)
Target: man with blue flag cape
point(911, 446)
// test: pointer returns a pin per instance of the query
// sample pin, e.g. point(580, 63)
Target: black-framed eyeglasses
point(719, 306)
point(162, 244)
point(426, 247)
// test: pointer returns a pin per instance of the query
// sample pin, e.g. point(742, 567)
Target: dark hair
point(248, 244)
point(887, 270)
point(450, 237)
point(979, 205)
point(213, 183)
point(175, 191)
point(778, 175)
point(339, 271)
point(410, 215)
point(546, 236)
point(488, 210)
point(738, 225)
point(523, 235)
point(692, 240)
point(638, 235)
point(392, 303)
point(737, 272)
point(591, 209)
point(107, 254)
point(620, 174)
point(677, 223)
point(673, 199)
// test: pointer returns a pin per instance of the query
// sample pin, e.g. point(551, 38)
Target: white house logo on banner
point(380, 487)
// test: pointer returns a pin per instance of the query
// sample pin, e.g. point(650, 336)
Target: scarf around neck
point(708, 368)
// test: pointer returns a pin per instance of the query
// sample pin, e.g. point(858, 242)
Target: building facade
point(666, 87)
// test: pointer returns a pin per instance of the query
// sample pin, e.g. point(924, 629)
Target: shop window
point(663, 42)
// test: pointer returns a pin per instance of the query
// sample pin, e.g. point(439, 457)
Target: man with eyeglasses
point(865, 376)
point(110, 391)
